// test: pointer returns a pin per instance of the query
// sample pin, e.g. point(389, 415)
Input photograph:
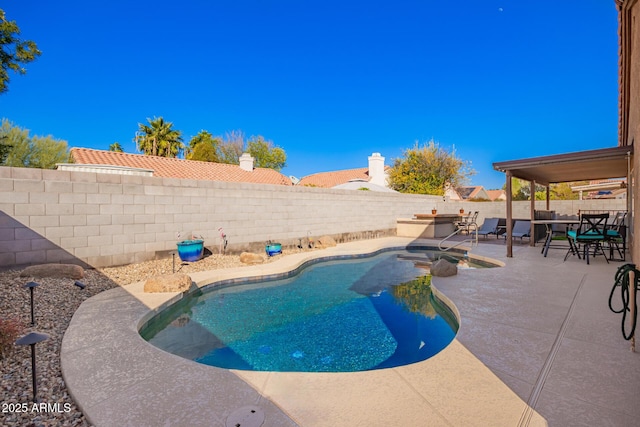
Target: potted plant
point(434, 211)
point(273, 248)
point(190, 250)
point(461, 211)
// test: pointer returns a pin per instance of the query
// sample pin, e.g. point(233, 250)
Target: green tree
point(521, 190)
point(563, 191)
point(4, 148)
point(265, 154)
point(46, 152)
point(560, 191)
point(13, 51)
point(203, 147)
point(18, 140)
point(116, 147)
point(159, 138)
point(426, 170)
point(36, 152)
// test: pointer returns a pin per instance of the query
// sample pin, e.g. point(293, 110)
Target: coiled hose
point(622, 280)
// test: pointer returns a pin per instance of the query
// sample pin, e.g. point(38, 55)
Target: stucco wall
point(105, 219)
point(633, 136)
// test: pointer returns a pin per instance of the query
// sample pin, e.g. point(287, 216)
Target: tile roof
point(497, 195)
point(331, 179)
point(178, 168)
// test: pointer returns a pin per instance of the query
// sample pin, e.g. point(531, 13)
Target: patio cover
point(578, 166)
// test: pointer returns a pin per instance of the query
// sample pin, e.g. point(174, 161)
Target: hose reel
point(628, 279)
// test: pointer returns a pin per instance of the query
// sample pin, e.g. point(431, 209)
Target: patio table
point(549, 223)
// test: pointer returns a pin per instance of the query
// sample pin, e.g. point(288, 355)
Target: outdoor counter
point(427, 226)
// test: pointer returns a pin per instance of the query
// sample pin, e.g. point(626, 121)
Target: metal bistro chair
point(617, 235)
point(591, 231)
point(465, 223)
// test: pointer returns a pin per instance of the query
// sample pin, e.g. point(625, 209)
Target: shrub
point(10, 329)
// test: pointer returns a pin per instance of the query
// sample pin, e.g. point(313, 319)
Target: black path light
point(80, 284)
point(32, 339)
point(31, 286)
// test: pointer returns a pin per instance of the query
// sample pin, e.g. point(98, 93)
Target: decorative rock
point(325, 242)
point(443, 268)
point(60, 271)
point(177, 282)
point(251, 258)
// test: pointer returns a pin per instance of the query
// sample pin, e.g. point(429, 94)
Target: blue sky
point(328, 81)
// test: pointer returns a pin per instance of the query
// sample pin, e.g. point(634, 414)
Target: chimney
point(376, 170)
point(246, 162)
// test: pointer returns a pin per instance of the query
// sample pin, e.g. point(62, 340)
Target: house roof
point(598, 185)
point(568, 167)
point(496, 194)
point(168, 167)
point(470, 191)
point(331, 179)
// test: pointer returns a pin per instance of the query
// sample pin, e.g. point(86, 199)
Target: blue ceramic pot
point(273, 249)
point(190, 250)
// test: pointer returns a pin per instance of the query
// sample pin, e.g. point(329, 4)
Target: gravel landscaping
point(56, 300)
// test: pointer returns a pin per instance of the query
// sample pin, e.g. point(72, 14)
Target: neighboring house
point(497, 195)
point(473, 192)
point(85, 159)
point(451, 193)
point(602, 189)
point(375, 174)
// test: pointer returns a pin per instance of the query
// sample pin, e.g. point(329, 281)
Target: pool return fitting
point(628, 279)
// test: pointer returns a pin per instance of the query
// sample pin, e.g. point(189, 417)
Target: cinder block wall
point(105, 219)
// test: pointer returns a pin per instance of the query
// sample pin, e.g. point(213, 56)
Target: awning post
point(509, 215)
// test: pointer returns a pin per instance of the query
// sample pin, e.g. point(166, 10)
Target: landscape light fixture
point(31, 286)
point(32, 339)
point(80, 284)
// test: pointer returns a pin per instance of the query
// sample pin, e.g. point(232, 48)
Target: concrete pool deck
point(537, 346)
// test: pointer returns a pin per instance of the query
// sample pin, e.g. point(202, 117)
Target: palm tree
point(116, 147)
point(159, 139)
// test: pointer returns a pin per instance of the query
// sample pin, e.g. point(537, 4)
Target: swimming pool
point(339, 315)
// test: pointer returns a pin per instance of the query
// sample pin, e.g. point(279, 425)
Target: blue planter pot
point(190, 250)
point(273, 249)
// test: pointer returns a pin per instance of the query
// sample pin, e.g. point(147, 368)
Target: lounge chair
point(489, 226)
point(521, 229)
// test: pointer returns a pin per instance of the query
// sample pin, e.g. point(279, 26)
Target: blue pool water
point(332, 316)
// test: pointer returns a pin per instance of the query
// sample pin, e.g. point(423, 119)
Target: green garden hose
point(622, 280)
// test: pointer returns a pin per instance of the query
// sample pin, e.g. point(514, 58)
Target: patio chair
point(465, 223)
point(617, 235)
point(561, 229)
point(489, 226)
point(521, 229)
point(591, 232)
